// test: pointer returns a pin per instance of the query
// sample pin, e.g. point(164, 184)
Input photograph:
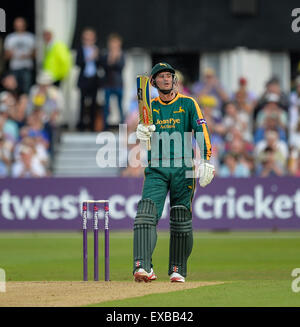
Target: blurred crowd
point(31, 100)
point(251, 134)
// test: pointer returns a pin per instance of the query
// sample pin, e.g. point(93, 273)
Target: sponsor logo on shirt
point(179, 111)
point(167, 123)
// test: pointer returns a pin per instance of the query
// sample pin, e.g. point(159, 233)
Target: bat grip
point(148, 144)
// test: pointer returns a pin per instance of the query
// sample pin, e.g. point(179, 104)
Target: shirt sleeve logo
point(200, 121)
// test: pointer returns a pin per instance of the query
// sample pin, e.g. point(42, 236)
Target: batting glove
point(206, 173)
point(144, 132)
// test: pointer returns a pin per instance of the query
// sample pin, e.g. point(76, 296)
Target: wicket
point(95, 228)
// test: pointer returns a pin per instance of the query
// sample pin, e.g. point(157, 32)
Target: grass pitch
point(255, 267)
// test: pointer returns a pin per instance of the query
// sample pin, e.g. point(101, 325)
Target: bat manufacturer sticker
point(140, 94)
point(145, 116)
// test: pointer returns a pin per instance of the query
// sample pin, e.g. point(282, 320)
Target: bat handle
point(147, 144)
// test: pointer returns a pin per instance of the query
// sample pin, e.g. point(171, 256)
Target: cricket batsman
point(172, 112)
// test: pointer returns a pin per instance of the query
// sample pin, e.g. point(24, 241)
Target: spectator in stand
point(181, 84)
point(244, 99)
point(28, 165)
point(294, 162)
point(233, 167)
point(5, 155)
point(210, 85)
point(88, 61)
point(46, 100)
point(57, 58)
point(271, 122)
point(294, 109)
point(272, 106)
point(7, 126)
point(216, 127)
point(11, 96)
point(235, 118)
point(242, 149)
point(20, 51)
point(294, 130)
point(249, 161)
point(9, 84)
point(34, 136)
point(38, 147)
point(294, 140)
point(277, 150)
point(272, 88)
point(208, 104)
point(35, 128)
point(268, 165)
point(113, 62)
point(236, 144)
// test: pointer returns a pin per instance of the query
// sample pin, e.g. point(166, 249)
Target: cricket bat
point(144, 101)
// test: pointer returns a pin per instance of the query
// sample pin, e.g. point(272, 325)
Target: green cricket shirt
point(175, 121)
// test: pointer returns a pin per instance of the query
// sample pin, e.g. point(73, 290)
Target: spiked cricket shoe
point(176, 278)
point(152, 275)
point(141, 275)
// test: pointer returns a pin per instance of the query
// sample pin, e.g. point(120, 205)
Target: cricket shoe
point(152, 275)
point(176, 278)
point(142, 275)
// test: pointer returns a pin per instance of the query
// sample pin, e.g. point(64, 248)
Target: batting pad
point(181, 239)
point(144, 235)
